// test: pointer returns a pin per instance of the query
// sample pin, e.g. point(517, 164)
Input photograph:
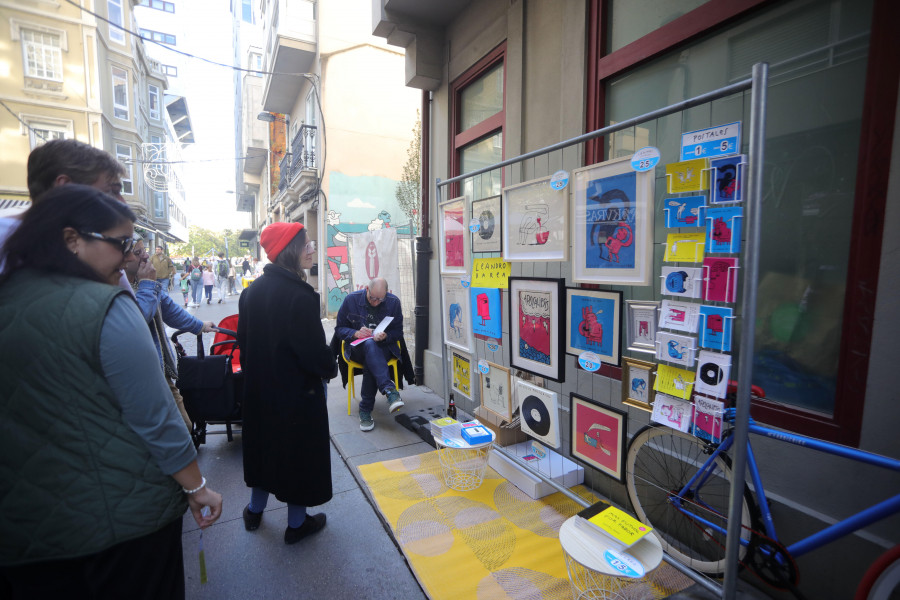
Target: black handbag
point(208, 386)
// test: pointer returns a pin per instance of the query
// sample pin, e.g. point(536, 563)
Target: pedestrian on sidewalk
point(196, 281)
point(209, 281)
point(221, 267)
point(185, 286)
point(231, 290)
point(165, 268)
point(101, 469)
point(286, 362)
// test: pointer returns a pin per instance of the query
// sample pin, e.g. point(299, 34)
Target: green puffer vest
point(75, 479)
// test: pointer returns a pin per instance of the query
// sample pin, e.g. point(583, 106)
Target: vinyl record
point(711, 373)
point(487, 225)
point(536, 415)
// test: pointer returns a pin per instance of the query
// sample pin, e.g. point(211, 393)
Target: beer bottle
point(451, 407)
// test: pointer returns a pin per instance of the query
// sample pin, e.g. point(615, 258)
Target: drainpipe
point(423, 244)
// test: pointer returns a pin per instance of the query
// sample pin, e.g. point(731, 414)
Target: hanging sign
point(490, 273)
point(464, 282)
point(493, 347)
point(475, 225)
point(589, 361)
point(625, 565)
point(483, 366)
point(559, 180)
point(645, 159)
point(710, 142)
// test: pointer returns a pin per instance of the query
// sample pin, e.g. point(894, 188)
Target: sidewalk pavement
point(353, 557)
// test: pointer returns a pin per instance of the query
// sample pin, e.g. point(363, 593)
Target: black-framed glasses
point(123, 244)
point(375, 299)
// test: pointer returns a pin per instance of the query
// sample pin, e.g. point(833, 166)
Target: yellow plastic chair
point(353, 366)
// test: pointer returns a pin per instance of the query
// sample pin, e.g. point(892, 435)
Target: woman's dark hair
point(289, 258)
point(38, 241)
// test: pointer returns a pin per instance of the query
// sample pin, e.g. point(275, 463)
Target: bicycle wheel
point(882, 580)
point(660, 461)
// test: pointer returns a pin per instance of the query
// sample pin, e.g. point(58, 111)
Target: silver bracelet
point(196, 489)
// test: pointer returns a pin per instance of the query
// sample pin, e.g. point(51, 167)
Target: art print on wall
point(637, 383)
point(686, 282)
point(594, 323)
point(598, 436)
point(457, 317)
point(461, 370)
point(727, 178)
point(678, 349)
point(534, 222)
point(640, 325)
point(612, 224)
point(487, 212)
point(495, 391)
point(685, 211)
point(536, 315)
point(716, 327)
point(486, 313)
point(681, 316)
point(539, 411)
point(451, 216)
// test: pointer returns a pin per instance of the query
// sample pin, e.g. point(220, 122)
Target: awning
point(163, 234)
point(247, 234)
point(10, 207)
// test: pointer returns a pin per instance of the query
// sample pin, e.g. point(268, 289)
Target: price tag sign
point(645, 159)
point(464, 281)
point(589, 361)
point(538, 450)
point(625, 565)
point(711, 142)
point(474, 225)
point(493, 347)
point(559, 180)
point(483, 366)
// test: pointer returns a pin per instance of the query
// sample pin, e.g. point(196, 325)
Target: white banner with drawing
point(374, 254)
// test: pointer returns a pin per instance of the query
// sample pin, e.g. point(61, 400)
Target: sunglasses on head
point(123, 244)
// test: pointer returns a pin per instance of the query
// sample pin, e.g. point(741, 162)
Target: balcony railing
point(302, 157)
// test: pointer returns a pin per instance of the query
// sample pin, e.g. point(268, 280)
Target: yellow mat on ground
point(493, 542)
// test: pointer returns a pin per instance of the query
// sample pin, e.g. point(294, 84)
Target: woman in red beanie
point(285, 360)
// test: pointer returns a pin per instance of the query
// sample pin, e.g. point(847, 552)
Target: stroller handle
point(225, 331)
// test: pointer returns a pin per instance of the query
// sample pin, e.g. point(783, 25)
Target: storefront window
point(630, 20)
point(482, 98)
point(480, 154)
point(817, 52)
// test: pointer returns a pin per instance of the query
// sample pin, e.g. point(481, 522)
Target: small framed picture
point(490, 224)
point(594, 324)
point(598, 436)
point(453, 235)
point(534, 222)
point(641, 319)
point(637, 383)
point(495, 393)
point(461, 369)
point(457, 319)
point(536, 314)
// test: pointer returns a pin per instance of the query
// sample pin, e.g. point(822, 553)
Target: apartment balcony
point(290, 34)
point(299, 174)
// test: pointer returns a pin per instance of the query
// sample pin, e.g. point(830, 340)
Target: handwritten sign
point(490, 273)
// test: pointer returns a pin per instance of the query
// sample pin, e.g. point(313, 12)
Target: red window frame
point(876, 140)
point(490, 126)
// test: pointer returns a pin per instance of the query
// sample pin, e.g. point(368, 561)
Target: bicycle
point(680, 485)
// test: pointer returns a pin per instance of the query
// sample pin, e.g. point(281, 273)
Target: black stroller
point(212, 385)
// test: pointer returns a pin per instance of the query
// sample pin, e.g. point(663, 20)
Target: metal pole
point(446, 370)
point(753, 213)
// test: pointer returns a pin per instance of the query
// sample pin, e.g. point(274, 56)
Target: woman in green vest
point(96, 467)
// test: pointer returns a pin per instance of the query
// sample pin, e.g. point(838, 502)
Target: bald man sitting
point(359, 316)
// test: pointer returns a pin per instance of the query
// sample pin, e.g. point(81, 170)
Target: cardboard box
point(503, 436)
point(554, 466)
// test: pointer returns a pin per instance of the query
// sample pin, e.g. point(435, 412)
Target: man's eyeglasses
point(123, 244)
point(375, 299)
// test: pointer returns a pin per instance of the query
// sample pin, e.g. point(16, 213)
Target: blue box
point(475, 433)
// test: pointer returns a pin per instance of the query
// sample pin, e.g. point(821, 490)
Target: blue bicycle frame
point(857, 521)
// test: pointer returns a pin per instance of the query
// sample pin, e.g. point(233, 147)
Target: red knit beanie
point(276, 236)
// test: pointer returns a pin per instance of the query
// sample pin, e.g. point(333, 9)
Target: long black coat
point(285, 358)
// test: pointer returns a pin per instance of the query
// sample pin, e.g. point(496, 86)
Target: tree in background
point(409, 189)
point(207, 243)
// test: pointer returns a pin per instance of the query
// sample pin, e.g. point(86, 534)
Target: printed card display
point(681, 316)
point(672, 412)
point(685, 247)
point(486, 313)
point(727, 173)
point(716, 324)
point(678, 349)
point(674, 382)
point(720, 279)
point(708, 419)
point(688, 176)
point(723, 228)
point(686, 211)
point(538, 409)
point(682, 281)
point(712, 374)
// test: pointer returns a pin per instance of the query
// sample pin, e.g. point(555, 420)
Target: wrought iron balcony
point(302, 157)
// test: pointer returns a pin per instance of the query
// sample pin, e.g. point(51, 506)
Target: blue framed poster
point(594, 325)
point(486, 313)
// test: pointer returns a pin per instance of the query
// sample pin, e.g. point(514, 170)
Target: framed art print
point(453, 231)
point(594, 323)
point(536, 314)
point(456, 317)
point(637, 383)
point(534, 222)
point(539, 411)
point(640, 325)
point(487, 212)
point(486, 313)
point(598, 436)
point(461, 370)
point(612, 224)
point(496, 396)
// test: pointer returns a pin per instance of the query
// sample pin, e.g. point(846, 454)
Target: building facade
point(505, 78)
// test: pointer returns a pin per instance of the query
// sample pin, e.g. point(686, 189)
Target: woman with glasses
point(96, 467)
point(285, 360)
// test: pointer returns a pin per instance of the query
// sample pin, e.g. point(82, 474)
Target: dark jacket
point(285, 359)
